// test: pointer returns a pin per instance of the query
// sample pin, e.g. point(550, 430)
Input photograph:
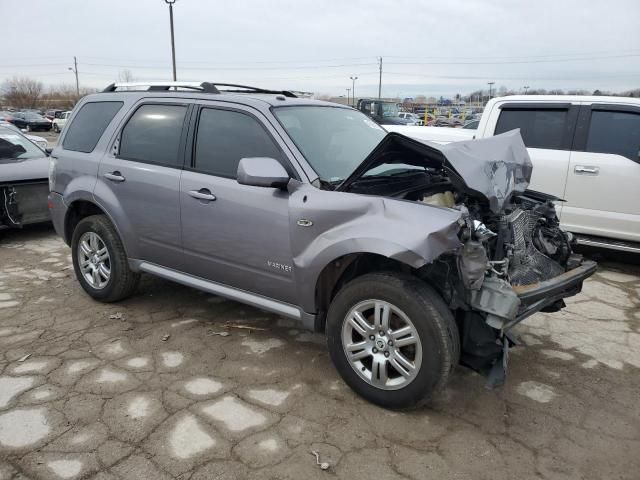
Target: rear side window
point(539, 128)
point(225, 137)
point(88, 125)
point(152, 135)
point(615, 132)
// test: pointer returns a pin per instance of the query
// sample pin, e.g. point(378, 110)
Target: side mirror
point(48, 151)
point(262, 172)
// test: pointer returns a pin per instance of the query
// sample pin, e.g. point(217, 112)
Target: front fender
point(345, 223)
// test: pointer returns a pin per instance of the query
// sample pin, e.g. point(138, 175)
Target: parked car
point(383, 112)
point(60, 121)
point(30, 121)
point(585, 151)
point(53, 114)
point(39, 141)
point(23, 181)
point(410, 257)
point(412, 118)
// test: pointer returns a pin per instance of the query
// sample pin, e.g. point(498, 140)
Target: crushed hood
point(493, 168)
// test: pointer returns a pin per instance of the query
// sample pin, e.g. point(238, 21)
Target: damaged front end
point(23, 203)
point(514, 261)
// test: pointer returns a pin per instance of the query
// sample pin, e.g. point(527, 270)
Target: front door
point(139, 181)
point(235, 234)
point(603, 184)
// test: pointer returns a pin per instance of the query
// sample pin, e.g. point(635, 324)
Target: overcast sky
point(431, 47)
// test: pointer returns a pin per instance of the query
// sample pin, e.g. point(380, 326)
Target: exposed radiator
point(527, 265)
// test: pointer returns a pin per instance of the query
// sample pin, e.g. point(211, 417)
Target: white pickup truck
point(585, 150)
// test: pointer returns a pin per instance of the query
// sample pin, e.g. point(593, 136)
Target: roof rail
point(205, 87)
point(247, 89)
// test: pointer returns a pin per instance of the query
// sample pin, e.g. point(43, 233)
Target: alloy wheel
point(94, 260)
point(382, 344)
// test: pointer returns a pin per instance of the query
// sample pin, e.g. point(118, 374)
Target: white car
point(39, 141)
point(412, 117)
point(585, 150)
point(441, 135)
point(58, 123)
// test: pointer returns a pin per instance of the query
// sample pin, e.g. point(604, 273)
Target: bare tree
point(22, 92)
point(126, 76)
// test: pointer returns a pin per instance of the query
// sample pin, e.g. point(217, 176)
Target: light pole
point(353, 90)
point(74, 69)
point(348, 90)
point(490, 88)
point(526, 87)
point(173, 44)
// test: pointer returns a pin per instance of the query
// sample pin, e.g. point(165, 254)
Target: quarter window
point(539, 128)
point(224, 137)
point(615, 132)
point(88, 125)
point(153, 135)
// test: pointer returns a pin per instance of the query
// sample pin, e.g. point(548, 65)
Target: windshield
point(13, 145)
point(334, 140)
point(390, 110)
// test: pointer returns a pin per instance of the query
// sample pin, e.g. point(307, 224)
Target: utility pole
point(380, 80)
point(74, 69)
point(526, 87)
point(490, 87)
point(348, 90)
point(353, 90)
point(173, 44)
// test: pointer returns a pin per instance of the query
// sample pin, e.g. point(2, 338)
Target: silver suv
point(411, 257)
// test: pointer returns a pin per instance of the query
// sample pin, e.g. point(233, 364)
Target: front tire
point(100, 261)
point(56, 128)
point(392, 339)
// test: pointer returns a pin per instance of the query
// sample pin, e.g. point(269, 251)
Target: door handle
point(202, 194)
point(586, 170)
point(114, 176)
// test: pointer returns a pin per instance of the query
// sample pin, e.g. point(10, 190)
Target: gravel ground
point(147, 388)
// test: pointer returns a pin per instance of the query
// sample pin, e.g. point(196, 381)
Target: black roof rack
point(204, 87)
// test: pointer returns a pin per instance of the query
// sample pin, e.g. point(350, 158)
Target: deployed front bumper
point(507, 305)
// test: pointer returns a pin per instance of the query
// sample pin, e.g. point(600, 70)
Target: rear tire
point(100, 261)
point(375, 366)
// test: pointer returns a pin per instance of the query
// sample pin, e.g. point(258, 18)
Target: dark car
point(24, 183)
point(30, 121)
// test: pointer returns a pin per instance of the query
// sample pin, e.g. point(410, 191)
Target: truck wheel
point(55, 128)
point(100, 261)
point(392, 339)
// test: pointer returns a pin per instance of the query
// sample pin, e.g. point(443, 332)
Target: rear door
point(234, 234)
point(139, 180)
point(547, 131)
point(603, 185)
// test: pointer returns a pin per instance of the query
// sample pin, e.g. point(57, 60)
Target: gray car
point(411, 257)
point(24, 168)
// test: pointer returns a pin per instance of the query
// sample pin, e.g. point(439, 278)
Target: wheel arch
point(345, 268)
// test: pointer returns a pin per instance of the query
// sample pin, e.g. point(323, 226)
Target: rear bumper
point(58, 211)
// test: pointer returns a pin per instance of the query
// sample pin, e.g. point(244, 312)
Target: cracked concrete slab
point(106, 398)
